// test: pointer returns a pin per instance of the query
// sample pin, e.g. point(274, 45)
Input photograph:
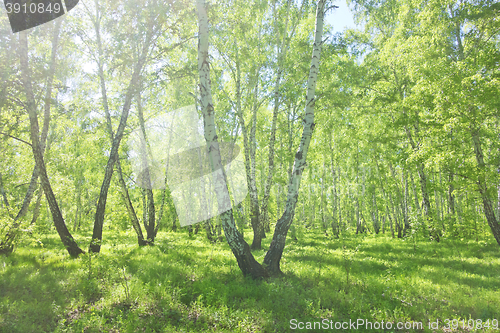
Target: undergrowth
point(187, 284)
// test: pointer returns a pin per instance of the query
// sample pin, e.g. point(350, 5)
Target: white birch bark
point(238, 246)
point(249, 152)
point(273, 256)
point(26, 77)
point(131, 90)
point(282, 47)
point(493, 223)
point(100, 66)
point(6, 245)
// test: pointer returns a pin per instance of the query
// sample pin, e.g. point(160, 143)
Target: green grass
point(187, 284)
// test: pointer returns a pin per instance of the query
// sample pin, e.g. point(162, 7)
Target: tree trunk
point(7, 244)
point(388, 212)
point(425, 192)
point(451, 199)
point(498, 188)
point(36, 210)
point(390, 221)
point(125, 194)
point(247, 263)
point(339, 196)
point(498, 201)
point(423, 179)
point(398, 207)
point(249, 160)
point(150, 208)
point(166, 192)
point(335, 223)
point(436, 197)
point(204, 201)
point(78, 199)
point(256, 225)
point(322, 202)
point(4, 195)
point(95, 245)
point(375, 217)
point(415, 195)
point(405, 204)
point(278, 202)
point(395, 213)
point(130, 207)
point(358, 221)
point(66, 238)
point(273, 256)
point(282, 48)
point(483, 189)
point(291, 128)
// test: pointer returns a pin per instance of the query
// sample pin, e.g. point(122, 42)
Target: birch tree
point(240, 248)
point(273, 256)
point(151, 31)
point(7, 243)
point(99, 57)
point(283, 40)
point(66, 237)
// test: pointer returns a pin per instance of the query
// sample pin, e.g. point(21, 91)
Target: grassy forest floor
point(186, 284)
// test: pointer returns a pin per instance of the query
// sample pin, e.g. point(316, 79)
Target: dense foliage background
point(406, 140)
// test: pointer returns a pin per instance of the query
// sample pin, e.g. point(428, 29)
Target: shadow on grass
point(189, 284)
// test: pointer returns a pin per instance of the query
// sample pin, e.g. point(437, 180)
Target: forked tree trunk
point(66, 238)
point(273, 256)
point(123, 186)
point(247, 263)
point(6, 246)
point(130, 208)
point(95, 245)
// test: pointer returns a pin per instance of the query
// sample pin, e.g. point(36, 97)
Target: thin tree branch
point(16, 138)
